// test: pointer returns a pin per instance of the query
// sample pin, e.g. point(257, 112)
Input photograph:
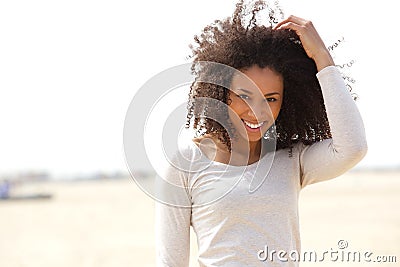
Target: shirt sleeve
point(332, 157)
point(172, 219)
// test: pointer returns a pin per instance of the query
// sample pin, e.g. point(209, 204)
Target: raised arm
point(331, 157)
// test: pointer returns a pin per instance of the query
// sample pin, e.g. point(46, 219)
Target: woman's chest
point(274, 189)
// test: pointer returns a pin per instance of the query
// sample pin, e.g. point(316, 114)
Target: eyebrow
point(248, 92)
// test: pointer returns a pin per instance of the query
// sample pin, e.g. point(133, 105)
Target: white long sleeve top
point(232, 223)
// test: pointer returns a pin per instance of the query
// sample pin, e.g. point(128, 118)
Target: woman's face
point(256, 100)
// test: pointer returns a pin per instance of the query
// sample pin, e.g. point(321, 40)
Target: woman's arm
point(172, 236)
point(332, 157)
point(172, 219)
point(348, 145)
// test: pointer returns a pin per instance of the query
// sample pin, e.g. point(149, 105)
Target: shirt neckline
point(217, 163)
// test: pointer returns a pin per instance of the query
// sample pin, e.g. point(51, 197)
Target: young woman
point(288, 92)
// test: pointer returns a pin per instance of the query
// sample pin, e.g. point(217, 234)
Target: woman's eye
point(245, 97)
point(271, 99)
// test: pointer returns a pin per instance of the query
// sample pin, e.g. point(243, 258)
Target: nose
point(259, 112)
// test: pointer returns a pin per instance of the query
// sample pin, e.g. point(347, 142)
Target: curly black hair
point(240, 45)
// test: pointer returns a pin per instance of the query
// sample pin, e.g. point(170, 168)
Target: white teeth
point(253, 126)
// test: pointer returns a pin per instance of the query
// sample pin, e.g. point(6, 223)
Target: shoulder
point(300, 148)
point(292, 152)
point(186, 153)
point(186, 159)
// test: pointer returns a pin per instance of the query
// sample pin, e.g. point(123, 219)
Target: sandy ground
point(111, 222)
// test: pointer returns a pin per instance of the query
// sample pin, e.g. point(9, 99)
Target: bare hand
point(309, 37)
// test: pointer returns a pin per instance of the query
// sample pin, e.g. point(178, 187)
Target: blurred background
point(68, 72)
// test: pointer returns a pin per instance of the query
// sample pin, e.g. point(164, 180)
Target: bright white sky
point(69, 69)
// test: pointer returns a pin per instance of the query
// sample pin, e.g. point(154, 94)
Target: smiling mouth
point(252, 125)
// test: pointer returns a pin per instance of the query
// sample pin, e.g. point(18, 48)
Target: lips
point(253, 127)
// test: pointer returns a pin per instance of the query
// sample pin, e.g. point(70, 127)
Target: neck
point(248, 152)
point(243, 152)
point(255, 151)
point(255, 148)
